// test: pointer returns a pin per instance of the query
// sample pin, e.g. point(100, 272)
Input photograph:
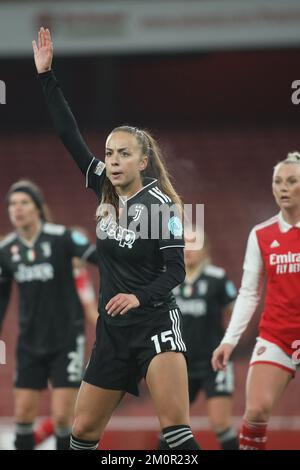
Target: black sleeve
point(228, 292)
point(170, 278)
point(67, 129)
point(79, 246)
point(5, 290)
point(171, 232)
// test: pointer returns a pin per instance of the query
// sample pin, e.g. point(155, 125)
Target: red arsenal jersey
point(279, 244)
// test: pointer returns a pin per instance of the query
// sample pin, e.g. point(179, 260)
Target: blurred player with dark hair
point(86, 293)
point(38, 256)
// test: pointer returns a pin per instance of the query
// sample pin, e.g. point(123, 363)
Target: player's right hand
point(221, 356)
point(43, 51)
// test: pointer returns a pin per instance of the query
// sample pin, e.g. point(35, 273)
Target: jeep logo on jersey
point(124, 236)
point(40, 272)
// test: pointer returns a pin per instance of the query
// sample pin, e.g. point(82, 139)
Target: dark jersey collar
point(33, 241)
point(148, 182)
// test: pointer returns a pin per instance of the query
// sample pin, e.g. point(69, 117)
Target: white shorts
point(266, 352)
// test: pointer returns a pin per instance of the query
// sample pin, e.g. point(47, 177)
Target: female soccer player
point(141, 261)
point(206, 299)
point(87, 296)
point(38, 256)
point(273, 254)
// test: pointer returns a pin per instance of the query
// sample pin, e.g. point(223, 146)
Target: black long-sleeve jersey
point(149, 268)
point(49, 307)
point(201, 303)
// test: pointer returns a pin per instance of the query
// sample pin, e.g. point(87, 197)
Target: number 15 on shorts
point(163, 337)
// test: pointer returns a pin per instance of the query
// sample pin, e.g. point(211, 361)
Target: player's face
point(286, 186)
point(124, 160)
point(22, 211)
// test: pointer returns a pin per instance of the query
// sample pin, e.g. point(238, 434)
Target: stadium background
point(224, 116)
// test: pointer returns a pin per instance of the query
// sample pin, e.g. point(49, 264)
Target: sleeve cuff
point(229, 340)
point(143, 297)
point(44, 75)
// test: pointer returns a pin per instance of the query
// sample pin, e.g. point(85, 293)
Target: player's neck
point(193, 272)
point(30, 232)
point(291, 217)
point(130, 190)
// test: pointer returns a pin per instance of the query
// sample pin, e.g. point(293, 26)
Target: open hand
point(43, 51)
point(221, 356)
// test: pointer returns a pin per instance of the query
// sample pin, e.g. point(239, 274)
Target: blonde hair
point(156, 168)
point(291, 158)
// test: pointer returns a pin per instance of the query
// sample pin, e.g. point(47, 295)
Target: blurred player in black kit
point(206, 300)
point(38, 256)
point(139, 326)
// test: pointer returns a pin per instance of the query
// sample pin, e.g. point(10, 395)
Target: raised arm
point(62, 117)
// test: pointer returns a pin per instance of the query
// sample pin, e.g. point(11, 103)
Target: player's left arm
point(155, 292)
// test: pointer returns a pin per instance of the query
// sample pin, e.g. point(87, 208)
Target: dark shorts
point(214, 384)
point(122, 354)
point(63, 369)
